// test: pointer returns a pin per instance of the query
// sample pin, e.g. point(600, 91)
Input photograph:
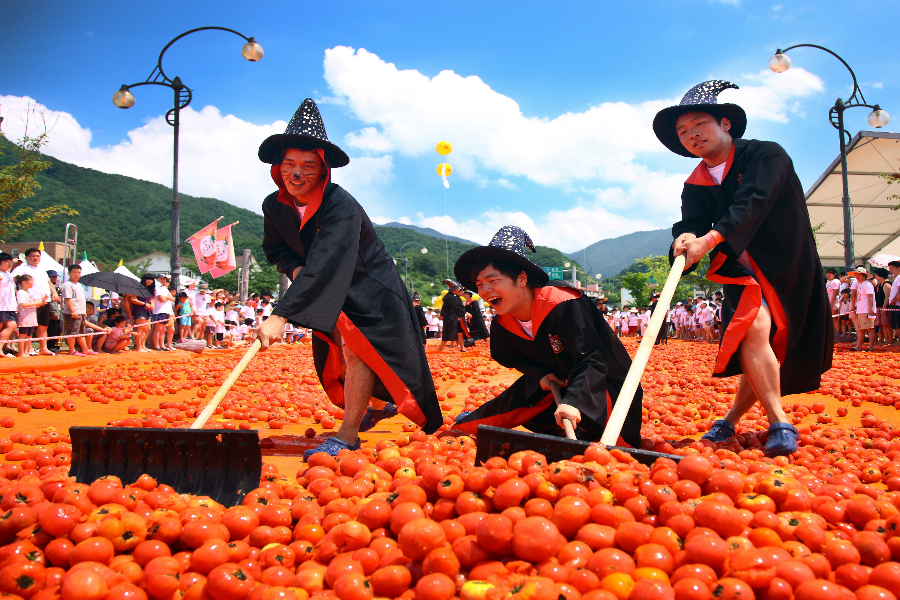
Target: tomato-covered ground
point(410, 515)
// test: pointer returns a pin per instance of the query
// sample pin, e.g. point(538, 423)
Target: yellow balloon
point(444, 148)
point(446, 168)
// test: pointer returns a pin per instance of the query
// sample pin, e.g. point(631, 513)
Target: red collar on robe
point(546, 298)
point(701, 175)
point(285, 198)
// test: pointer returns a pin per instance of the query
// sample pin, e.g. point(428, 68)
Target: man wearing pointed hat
point(420, 315)
point(345, 288)
point(548, 331)
point(453, 315)
point(744, 205)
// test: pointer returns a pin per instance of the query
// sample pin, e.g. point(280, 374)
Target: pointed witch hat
point(305, 131)
point(702, 97)
point(509, 244)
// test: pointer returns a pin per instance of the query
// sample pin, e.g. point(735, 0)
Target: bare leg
point(359, 383)
point(760, 367)
point(42, 332)
point(459, 342)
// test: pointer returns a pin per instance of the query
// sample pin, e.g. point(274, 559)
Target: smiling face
point(504, 294)
point(704, 136)
point(301, 171)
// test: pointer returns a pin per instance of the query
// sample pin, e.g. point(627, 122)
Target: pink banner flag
point(225, 261)
point(205, 247)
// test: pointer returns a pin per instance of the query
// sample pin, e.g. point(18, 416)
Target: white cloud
point(773, 96)
point(217, 153)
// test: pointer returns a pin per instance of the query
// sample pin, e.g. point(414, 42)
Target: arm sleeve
point(276, 249)
point(587, 381)
point(761, 182)
point(316, 296)
point(694, 219)
point(504, 351)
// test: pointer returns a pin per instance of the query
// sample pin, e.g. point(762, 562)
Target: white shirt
point(267, 310)
point(527, 328)
point(201, 303)
point(8, 293)
point(27, 317)
point(865, 297)
point(74, 292)
point(41, 285)
point(433, 322)
point(834, 286)
point(161, 308)
point(717, 172)
point(247, 312)
point(895, 285)
point(231, 315)
point(219, 316)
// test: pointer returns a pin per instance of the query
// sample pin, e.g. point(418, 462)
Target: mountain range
point(609, 257)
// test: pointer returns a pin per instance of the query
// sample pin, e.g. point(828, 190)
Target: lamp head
point(123, 98)
point(252, 51)
point(781, 62)
point(424, 250)
point(879, 118)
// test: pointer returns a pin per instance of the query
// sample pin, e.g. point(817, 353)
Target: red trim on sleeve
point(464, 326)
point(331, 374)
point(701, 175)
point(509, 420)
point(403, 398)
point(779, 340)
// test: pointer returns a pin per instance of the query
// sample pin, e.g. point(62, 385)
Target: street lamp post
point(878, 118)
point(123, 98)
point(406, 260)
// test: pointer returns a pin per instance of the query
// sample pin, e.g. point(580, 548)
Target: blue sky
point(548, 105)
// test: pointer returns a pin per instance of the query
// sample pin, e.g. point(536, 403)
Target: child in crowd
point(844, 312)
point(27, 312)
point(219, 320)
point(184, 310)
point(118, 337)
point(8, 304)
point(92, 322)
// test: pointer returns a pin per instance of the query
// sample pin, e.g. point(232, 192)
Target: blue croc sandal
point(331, 446)
point(721, 431)
point(783, 440)
point(372, 416)
point(462, 416)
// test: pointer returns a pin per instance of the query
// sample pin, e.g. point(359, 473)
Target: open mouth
point(494, 301)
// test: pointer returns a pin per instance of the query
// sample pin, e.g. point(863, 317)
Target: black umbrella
point(114, 282)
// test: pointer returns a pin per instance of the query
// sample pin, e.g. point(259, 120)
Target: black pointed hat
point(509, 244)
point(416, 296)
point(451, 285)
point(700, 98)
point(305, 131)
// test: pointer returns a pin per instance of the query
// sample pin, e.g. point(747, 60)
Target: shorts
point(73, 325)
point(883, 318)
point(845, 318)
point(895, 317)
point(27, 331)
point(160, 317)
point(43, 315)
point(140, 312)
point(8, 315)
point(186, 320)
point(220, 336)
point(864, 322)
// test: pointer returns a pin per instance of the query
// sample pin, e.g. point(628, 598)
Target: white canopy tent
point(876, 227)
point(49, 264)
point(123, 270)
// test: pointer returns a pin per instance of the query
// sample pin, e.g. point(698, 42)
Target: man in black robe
point(345, 288)
point(420, 315)
point(744, 204)
point(477, 329)
point(453, 315)
point(548, 332)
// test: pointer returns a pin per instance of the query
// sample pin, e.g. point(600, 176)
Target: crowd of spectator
point(865, 307)
point(698, 319)
point(34, 304)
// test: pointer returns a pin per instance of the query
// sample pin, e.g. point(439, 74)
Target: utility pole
point(245, 275)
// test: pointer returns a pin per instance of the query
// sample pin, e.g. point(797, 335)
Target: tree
point(636, 284)
point(18, 182)
point(658, 268)
point(697, 278)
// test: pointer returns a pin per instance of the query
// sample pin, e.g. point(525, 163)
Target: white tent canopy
point(48, 264)
point(876, 228)
point(123, 270)
point(87, 267)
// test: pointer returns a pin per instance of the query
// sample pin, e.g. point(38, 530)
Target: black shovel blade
point(222, 464)
point(496, 441)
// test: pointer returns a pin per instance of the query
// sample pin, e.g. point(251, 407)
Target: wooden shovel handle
point(617, 418)
point(226, 387)
point(567, 424)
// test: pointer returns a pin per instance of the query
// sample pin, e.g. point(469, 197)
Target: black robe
point(572, 341)
point(760, 208)
point(663, 335)
point(477, 328)
point(349, 282)
point(423, 322)
point(452, 310)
